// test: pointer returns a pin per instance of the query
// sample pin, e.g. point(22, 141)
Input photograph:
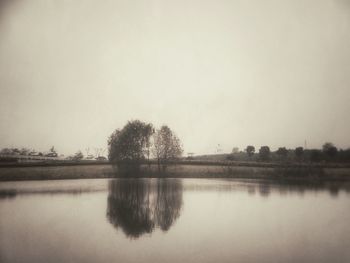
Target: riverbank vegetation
point(184, 170)
point(139, 143)
point(328, 155)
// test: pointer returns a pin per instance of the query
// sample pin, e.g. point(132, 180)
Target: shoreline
point(184, 162)
point(107, 170)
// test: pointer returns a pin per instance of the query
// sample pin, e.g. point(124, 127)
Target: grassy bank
point(77, 171)
point(183, 162)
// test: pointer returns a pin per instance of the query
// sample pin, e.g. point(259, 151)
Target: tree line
point(28, 152)
point(78, 156)
point(329, 152)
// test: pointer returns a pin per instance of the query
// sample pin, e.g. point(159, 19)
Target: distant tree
point(282, 152)
point(16, 151)
point(87, 150)
point(329, 149)
point(6, 151)
point(129, 146)
point(78, 156)
point(24, 151)
point(299, 151)
point(264, 153)
point(250, 150)
point(166, 146)
point(99, 152)
point(235, 150)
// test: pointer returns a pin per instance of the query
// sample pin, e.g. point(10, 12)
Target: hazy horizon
point(233, 73)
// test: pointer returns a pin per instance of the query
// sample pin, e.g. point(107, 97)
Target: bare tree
point(99, 152)
point(87, 150)
point(166, 146)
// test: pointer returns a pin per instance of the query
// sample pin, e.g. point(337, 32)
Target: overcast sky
point(232, 72)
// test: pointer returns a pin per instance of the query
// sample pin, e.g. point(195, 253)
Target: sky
point(229, 73)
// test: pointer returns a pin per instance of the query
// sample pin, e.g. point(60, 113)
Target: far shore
point(185, 169)
point(180, 162)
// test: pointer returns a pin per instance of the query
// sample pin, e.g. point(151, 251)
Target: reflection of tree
point(264, 189)
point(300, 187)
point(128, 206)
point(169, 202)
point(137, 206)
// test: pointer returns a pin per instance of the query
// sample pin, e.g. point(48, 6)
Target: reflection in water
point(300, 187)
point(138, 206)
point(7, 194)
point(266, 220)
point(14, 189)
point(266, 187)
point(167, 187)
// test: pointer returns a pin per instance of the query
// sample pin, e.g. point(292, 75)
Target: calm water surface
point(172, 220)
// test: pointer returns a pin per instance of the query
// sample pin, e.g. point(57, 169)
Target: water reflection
point(284, 187)
point(267, 221)
point(265, 188)
point(138, 206)
point(12, 189)
point(165, 188)
point(7, 194)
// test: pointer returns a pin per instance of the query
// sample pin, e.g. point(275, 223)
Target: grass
point(82, 171)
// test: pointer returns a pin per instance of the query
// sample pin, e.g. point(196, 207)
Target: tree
point(99, 152)
point(166, 146)
point(329, 149)
point(6, 151)
point(264, 153)
point(250, 150)
point(282, 152)
point(87, 150)
point(299, 151)
point(235, 150)
point(24, 151)
point(78, 156)
point(16, 151)
point(129, 146)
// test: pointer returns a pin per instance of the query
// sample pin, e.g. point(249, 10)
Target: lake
point(174, 220)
